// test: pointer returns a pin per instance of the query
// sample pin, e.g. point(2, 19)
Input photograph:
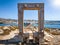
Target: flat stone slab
point(11, 41)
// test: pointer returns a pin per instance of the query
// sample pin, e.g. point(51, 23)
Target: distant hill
point(3, 20)
point(7, 21)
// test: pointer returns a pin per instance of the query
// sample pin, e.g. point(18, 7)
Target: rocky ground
point(7, 32)
point(51, 36)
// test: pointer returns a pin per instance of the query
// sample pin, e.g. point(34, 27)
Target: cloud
point(55, 3)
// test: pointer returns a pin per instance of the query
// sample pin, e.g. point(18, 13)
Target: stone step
point(45, 43)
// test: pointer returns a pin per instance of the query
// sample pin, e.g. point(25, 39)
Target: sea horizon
point(47, 24)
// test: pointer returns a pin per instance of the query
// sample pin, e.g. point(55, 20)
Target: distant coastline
point(14, 22)
point(3, 20)
point(7, 21)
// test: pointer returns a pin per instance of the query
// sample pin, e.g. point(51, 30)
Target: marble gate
point(31, 6)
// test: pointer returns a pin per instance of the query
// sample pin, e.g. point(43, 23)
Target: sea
point(47, 24)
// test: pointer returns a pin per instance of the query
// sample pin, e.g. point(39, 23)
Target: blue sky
point(8, 8)
point(30, 14)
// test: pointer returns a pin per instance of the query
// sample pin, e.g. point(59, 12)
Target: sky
point(30, 14)
point(9, 9)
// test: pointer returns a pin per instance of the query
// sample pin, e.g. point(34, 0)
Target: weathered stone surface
point(1, 31)
point(31, 6)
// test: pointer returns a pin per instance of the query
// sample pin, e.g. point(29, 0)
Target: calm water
point(51, 26)
point(47, 24)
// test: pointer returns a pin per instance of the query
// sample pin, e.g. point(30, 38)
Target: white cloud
point(55, 3)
